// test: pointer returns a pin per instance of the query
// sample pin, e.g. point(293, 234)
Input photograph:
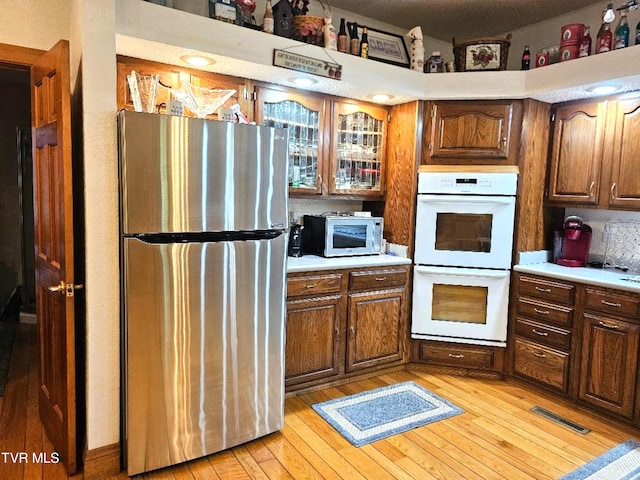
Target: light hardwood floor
point(497, 437)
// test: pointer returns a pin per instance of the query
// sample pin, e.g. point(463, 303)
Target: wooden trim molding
point(101, 462)
point(19, 56)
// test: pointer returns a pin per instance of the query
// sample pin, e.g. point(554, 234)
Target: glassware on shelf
point(201, 101)
point(143, 90)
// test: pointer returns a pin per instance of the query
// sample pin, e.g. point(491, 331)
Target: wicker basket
point(489, 53)
point(308, 29)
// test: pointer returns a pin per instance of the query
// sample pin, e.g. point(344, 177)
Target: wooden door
point(374, 327)
point(609, 364)
point(624, 188)
point(577, 151)
point(314, 339)
point(473, 132)
point(358, 149)
point(305, 116)
point(53, 212)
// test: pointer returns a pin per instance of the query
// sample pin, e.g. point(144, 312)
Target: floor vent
point(561, 420)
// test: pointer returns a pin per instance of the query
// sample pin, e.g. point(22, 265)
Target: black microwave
point(342, 235)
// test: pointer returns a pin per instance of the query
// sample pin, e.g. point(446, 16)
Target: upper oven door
point(465, 230)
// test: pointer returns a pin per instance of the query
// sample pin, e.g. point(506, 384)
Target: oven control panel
point(468, 183)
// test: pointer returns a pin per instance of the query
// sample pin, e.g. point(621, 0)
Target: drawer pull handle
point(542, 334)
point(380, 279)
point(544, 290)
point(453, 355)
point(611, 304)
point(539, 355)
point(608, 325)
point(311, 285)
point(541, 312)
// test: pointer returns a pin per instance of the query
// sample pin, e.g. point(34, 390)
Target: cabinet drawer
point(542, 364)
point(545, 312)
point(314, 284)
point(612, 303)
point(375, 279)
point(546, 289)
point(457, 355)
point(547, 335)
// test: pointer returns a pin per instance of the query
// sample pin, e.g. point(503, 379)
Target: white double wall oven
point(463, 254)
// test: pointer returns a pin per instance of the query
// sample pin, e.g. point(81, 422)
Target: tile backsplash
point(597, 220)
point(302, 206)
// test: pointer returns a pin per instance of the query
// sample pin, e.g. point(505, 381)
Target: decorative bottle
point(364, 43)
point(343, 41)
point(585, 44)
point(604, 40)
point(267, 21)
point(354, 41)
point(330, 37)
point(526, 58)
point(622, 32)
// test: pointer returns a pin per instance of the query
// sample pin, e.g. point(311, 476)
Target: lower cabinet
point(583, 343)
point(344, 323)
point(458, 355)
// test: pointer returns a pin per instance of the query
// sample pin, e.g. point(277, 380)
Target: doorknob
point(60, 288)
point(64, 288)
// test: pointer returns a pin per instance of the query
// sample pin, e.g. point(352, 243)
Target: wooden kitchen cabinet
point(542, 328)
point(376, 300)
point(472, 132)
point(470, 358)
point(336, 147)
point(172, 77)
point(610, 346)
point(594, 154)
point(344, 322)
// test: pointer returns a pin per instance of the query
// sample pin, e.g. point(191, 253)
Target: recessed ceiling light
point(604, 89)
point(380, 97)
point(303, 81)
point(197, 60)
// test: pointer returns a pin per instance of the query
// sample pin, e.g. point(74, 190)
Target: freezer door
point(204, 347)
point(181, 174)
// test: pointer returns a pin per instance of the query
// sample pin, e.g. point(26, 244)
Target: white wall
point(34, 23)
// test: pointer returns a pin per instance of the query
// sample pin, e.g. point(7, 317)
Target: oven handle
point(475, 199)
point(443, 271)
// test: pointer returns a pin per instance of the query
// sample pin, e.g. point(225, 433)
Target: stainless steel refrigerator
point(203, 219)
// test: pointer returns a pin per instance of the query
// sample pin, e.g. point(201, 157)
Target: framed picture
point(386, 47)
point(483, 56)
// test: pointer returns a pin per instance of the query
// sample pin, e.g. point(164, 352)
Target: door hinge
point(388, 118)
point(433, 111)
point(430, 147)
point(553, 117)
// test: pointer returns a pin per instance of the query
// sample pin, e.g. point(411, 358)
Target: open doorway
point(17, 272)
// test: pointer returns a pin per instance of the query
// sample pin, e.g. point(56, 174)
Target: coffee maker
point(576, 240)
point(295, 241)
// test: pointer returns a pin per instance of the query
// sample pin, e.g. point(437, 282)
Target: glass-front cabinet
point(335, 147)
point(358, 149)
point(305, 118)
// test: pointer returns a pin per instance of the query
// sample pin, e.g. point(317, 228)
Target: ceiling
point(462, 19)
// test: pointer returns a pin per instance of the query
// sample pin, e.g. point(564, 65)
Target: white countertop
point(309, 263)
point(610, 278)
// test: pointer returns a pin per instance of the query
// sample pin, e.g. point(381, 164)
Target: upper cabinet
point(170, 78)
point(336, 147)
point(594, 154)
point(472, 132)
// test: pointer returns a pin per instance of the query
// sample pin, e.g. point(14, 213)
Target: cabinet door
point(576, 156)
point(223, 82)
point(314, 339)
point(358, 149)
point(624, 190)
point(474, 132)
point(169, 77)
point(374, 327)
point(305, 118)
point(609, 364)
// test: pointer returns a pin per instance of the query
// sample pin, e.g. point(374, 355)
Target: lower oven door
point(467, 305)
